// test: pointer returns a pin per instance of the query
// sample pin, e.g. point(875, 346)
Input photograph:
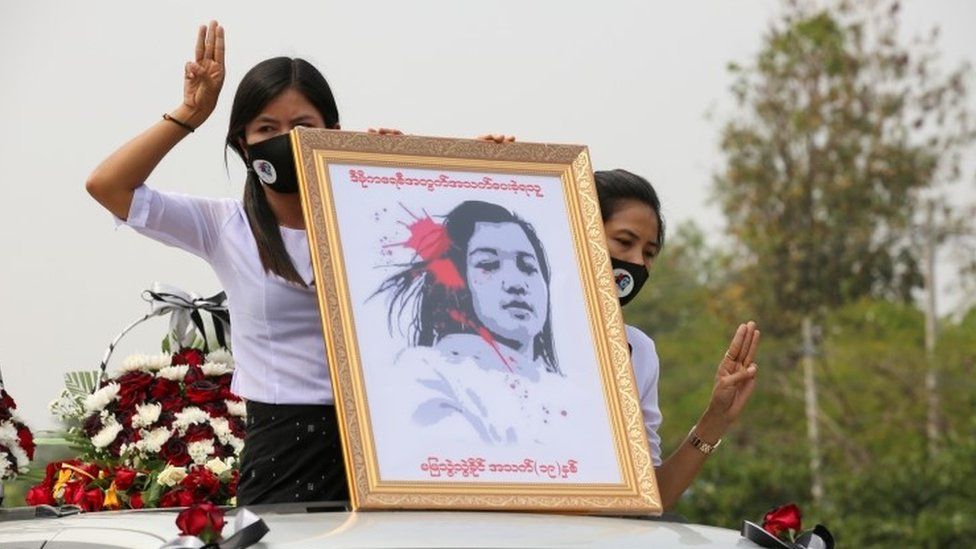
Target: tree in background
point(841, 129)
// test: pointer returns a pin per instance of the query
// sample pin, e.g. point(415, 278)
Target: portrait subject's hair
point(260, 85)
point(614, 186)
point(433, 289)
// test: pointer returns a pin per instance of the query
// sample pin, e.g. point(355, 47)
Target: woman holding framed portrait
point(634, 227)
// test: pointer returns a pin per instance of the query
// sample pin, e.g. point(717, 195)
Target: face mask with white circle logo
point(274, 164)
point(628, 278)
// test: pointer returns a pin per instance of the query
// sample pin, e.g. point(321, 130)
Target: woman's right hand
point(204, 76)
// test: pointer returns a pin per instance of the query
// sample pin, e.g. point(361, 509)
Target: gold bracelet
point(700, 444)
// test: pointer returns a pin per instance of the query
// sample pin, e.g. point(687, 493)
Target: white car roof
point(375, 529)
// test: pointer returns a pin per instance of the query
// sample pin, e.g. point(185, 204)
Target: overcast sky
point(632, 80)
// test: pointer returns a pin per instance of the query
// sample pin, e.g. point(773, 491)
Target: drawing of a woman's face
point(508, 292)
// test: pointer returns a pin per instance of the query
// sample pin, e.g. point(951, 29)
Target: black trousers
point(292, 452)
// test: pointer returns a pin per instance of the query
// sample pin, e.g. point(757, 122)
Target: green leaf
point(81, 383)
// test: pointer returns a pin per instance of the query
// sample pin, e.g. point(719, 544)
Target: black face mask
point(274, 164)
point(629, 278)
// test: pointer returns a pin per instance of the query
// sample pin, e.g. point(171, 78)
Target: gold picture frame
point(358, 190)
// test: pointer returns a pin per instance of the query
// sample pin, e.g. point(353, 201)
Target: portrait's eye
point(488, 265)
point(526, 264)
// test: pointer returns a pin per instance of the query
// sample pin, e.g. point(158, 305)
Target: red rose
point(194, 373)
point(40, 495)
point(171, 405)
point(174, 452)
point(232, 485)
point(92, 425)
point(224, 380)
point(135, 501)
point(198, 432)
point(237, 427)
point(6, 401)
point(91, 500)
point(216, 408)
point(177, 497)
point(201, 391)
point(26, 440)
point(203, 520)
point(91, 468)
point(202, 483)
point(227, 394)
point(124, 477)
point(187, 355)
point(133, 388)
point(74, 492)
point(164, 388)
point(782, 519)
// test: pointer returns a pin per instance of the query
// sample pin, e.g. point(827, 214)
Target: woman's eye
point(487, 265)
point(527, 267)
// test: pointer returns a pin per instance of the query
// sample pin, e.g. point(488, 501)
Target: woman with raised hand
point(259, 251)
point(634, 228)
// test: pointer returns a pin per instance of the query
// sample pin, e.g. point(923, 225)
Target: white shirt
point(643, 355)
point(276, 330)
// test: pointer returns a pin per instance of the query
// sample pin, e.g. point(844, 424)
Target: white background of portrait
point(372, 220)
point(642, 83)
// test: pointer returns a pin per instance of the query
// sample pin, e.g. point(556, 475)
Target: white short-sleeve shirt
point(643, 355)
point(276, 330)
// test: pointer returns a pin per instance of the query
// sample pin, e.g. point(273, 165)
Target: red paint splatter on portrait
point(462, 319)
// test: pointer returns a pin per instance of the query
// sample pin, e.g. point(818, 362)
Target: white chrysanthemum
point(221, 428)
point(189, 416)
point(107, 435)
point(147, 363)
point(236, 408)
point(8, 433)
point(152, 441)
point(171, 476)
point(20, 456)
point(173, 373)
point(221, 356)
point(146, 415)
point(217, 466)
point(98, 400)
point(200, 451)
point(214, 369)
point(237, 444)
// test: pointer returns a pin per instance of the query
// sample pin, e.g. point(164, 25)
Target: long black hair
point(260, 85)
point(615, 186)
point(438, 309)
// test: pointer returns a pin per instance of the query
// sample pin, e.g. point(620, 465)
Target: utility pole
point(931, 370)
point(812, 410)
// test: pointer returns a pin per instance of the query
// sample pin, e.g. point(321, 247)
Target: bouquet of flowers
point(165, 430)
point(16, 440)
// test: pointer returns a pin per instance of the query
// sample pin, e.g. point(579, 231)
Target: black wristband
point(179, 123)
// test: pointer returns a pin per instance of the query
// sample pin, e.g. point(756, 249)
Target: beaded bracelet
point(179, 123)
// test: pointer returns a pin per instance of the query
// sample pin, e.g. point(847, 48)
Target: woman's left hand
point(500, 138)
point(385, 131)
point(736, 376)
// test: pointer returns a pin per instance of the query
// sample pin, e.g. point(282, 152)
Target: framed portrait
point(472, 325)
